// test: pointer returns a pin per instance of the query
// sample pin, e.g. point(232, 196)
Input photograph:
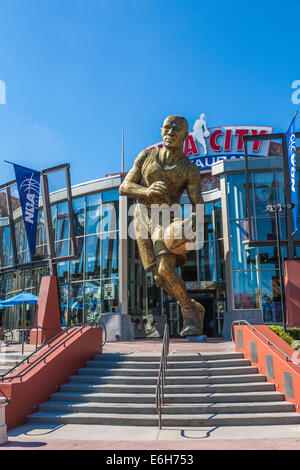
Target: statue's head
point(174, 131)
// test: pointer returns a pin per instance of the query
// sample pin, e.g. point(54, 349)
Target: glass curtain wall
point(89, 285)
point(255, 270)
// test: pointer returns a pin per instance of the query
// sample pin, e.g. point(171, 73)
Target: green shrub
point(283, 334)
point(294, 333)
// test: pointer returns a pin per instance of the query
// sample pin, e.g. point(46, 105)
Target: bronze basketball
point(175, 237)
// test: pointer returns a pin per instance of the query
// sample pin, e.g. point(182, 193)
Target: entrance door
point(209, 323)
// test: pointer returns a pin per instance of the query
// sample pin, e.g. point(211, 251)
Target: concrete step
point(177, 357)
point(211, 389)
point(13, 355)
point(188, 380)
point(132, 364)
point(205, 419)
point(95, 407)
point(144, 398)
point(177, 389)
point(103, 372)
point(10, 360)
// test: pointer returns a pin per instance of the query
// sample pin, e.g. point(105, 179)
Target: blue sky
point(76, 69)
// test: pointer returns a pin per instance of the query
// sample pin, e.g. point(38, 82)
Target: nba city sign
point(207, 145)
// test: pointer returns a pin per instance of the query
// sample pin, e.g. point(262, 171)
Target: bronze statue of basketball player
point(160, 176)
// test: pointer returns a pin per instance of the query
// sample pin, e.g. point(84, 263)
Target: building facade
point(230, 278)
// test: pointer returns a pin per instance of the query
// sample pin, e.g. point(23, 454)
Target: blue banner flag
point(291, 145)
point(28, 183)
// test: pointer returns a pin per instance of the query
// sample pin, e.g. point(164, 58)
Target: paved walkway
point(86, 437)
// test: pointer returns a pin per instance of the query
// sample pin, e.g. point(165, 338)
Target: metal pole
point(123, 159)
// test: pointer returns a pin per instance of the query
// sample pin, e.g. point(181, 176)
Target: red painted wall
point(45, 378)
point(292, 292)
point(280, 364)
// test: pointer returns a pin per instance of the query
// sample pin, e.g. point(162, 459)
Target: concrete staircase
point(8, 360)
point(211, 389)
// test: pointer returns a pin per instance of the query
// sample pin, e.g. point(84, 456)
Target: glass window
point(218, 220)
point(268, 257)
point(220, 260)
point(41, 236)
point(93, 209)
point(264, 191)
point(62, 271)
point(62, 248)
point(208, 223)
point(5, 246)
point(110, 217)
point(92, 300)
point(92, 257)
point(63, 298)
point(63, 226)
point(110, 254)
point(78, 211)
point(110, 296)
point(109, 196)
point(265, 228)
point(206, 260)
point(76, 302)
point(76, 266)
point(243, 257)
point(236, 196)
point(271, 296)
point(245, 288)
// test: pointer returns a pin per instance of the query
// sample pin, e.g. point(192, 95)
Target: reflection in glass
point(63, 226)
point(76, 266)
point(76, 302)
point(245, 288)
point(207, 267)
point(109, 196)
point(236, 196)
point(92, 301)
point(63, 300)
point(243, 257)
point(109, 218)
point(263, 191)
point(41, 236)
point(78, 211)
point(93, 209)
point(92, 257)
point(109, 256)
point(271, 296)
point(5, 247)
point(110, 296)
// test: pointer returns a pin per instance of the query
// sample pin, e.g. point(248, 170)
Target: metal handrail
point(23, 330)
point(161, 380)
point(269, 341)
point(51, 349)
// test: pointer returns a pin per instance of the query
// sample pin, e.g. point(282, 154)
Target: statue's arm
point(130, 186)
point(194, 189)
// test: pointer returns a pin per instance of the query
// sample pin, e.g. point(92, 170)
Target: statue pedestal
point(196, 339)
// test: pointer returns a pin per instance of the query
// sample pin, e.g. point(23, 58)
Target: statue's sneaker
point(193, 320)
point(200, 312)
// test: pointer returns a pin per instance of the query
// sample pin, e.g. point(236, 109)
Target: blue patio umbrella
point(20, 299)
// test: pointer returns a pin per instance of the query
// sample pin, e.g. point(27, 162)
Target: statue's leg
point(192, 312)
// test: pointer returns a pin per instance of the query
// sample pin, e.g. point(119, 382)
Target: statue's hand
point(158, 188)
